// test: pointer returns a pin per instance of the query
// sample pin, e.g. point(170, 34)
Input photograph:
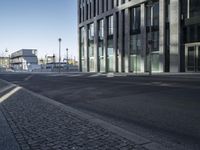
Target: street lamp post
point(67, 51)
point(59, 52)
point(150, 42)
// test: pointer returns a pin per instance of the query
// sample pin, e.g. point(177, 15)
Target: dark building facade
point(139, 35)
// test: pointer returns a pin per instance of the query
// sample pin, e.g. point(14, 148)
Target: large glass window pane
point(152, 37)
point(155, 62)
point(110, 47)
point(135, 19)
point(191, 59)
point(101, 56)
point(82, 48)
point(155, 41)
point(101, 29)
point(110, 55)
point(194, 8)
point(135, 53)
point(135, 63)
point(91, 47)
point(101, 67)
point(156, 14)
point(110, 25)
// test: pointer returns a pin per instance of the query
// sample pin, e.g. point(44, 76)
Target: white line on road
point(7, 95)
point(28, 78)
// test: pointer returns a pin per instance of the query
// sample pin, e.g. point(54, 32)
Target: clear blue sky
point(27, 24)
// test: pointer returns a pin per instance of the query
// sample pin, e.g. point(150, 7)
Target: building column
point(174, 36)
point(127, 40)
point(79, 49)
point(105, 5)
point(79, 52)
point(115, 3)
point(92, 8)
point(120, 30)
point(115, 42)
point(100, 6)
point(120, 2)
point(162, 35)
point(88, 3)
point(96, 55)
point(188, 9)
point(86, 49)
point(109, 4)
point(97, 7)
point(105, 43)
point(143, 37)
point(85, 10)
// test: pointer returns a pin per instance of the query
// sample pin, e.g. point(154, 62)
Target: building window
point(112, 3)
point(110, 25)
point(82, 49)
point(101, 58)
point(91, 47)
point(194, 8)
point(102, 5)
point(135, 39)
point(153, 37)
point(110, 48)
point(135, 19)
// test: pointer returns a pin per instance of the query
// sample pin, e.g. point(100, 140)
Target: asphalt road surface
point(164, 109)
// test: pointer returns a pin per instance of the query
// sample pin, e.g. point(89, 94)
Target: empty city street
point(161, 108)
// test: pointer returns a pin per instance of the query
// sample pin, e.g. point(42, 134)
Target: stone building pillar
point(105, 43)
point(174, 36)
point(115, 42)
point(96, 55)
point(162, 35)
point(120, 41)
point(86, 48)
point(143, 37)
point(127, 40)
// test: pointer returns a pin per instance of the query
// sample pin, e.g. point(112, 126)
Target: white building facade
point(24, 59)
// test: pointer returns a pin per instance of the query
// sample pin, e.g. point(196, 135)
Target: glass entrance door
point(193, 58)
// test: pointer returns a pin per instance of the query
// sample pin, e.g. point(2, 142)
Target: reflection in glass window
point(91, 47)
point(82, 49)
point(101, 58)
point(110, 55)
point(194, 8)
point(152, 37)
point(135, 39)
point(110, 25)
point(135, 19)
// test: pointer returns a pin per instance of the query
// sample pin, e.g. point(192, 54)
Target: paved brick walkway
point(39, 125)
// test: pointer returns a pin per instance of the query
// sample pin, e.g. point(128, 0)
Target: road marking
point(7, 95)
point(28, 78)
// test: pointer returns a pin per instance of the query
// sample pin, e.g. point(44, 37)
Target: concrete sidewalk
point(40, 123)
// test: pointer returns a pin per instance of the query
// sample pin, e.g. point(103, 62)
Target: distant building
point(23, 59)
point(50, 59)
point(4, 63)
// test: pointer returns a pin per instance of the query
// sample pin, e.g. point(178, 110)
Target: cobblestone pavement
point(39, 125)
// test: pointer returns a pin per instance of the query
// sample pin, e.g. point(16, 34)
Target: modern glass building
point(139, 35)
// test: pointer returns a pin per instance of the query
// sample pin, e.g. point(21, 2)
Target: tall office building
point(139, 35)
